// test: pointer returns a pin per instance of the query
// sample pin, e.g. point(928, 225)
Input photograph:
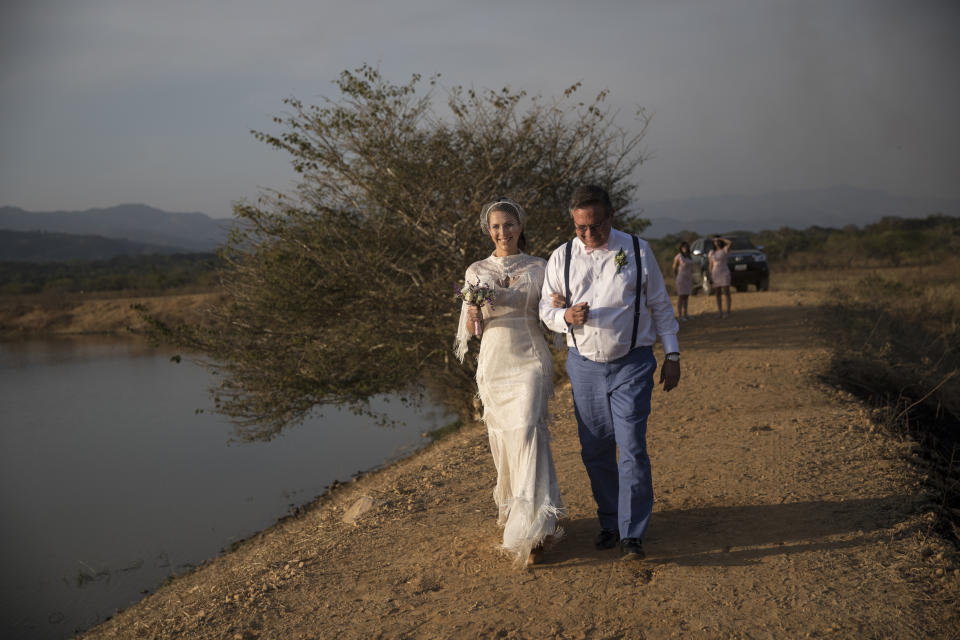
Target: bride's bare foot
point(536, 555)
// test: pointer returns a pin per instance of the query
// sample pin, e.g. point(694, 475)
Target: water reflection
point(110, 481)
point(65, 350)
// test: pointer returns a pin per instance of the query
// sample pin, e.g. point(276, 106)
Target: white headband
point(501, 204)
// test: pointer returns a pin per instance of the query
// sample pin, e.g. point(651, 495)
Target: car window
point(741, 244)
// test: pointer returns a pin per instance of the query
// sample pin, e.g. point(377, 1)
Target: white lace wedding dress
point(515, 381)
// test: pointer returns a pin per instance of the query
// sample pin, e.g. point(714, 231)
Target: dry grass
point(76, 314)
point(897, 345)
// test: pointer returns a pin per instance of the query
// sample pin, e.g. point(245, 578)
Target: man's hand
point(670, 374)
point(577, 314)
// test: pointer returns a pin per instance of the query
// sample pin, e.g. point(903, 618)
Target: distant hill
point(834, 207)
point(46, 246)
point(135, 223)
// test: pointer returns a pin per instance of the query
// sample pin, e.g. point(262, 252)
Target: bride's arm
point(474, 315)
point(465, 325)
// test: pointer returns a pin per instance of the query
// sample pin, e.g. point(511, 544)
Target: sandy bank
point(32, 316)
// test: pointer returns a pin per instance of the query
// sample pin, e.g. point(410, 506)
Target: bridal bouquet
point(477, 295)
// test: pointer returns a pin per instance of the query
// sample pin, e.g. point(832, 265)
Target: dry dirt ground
point(781, 512)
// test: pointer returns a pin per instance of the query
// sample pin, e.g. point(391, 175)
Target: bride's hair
point(505, 205)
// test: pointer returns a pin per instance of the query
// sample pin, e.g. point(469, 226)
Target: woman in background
point(683, 273)
point(515, 382)
point(720, 272)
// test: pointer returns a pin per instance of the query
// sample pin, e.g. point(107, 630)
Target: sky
point(104, 102)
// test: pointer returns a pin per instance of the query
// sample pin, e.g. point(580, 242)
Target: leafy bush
point(889, 242)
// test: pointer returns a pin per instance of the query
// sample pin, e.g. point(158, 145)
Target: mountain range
point(49, 246)
point(137, 223)
point(137, 229)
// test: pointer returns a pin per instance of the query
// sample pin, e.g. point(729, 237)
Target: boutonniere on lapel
point(620, 260)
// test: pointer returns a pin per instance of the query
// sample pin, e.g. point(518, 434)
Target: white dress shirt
point(611, 295)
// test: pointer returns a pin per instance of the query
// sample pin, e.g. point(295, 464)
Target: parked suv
point(748, 264)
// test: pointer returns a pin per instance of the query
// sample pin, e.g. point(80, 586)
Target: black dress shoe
point(632, 549)
point(606, 539)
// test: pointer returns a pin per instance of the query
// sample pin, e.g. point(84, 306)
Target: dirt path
point(779, 514)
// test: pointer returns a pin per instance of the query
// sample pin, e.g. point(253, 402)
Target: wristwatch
point(675, 357)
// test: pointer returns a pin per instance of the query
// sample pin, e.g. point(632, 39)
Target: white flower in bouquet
point(478, 295)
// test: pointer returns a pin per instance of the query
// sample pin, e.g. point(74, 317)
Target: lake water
point(110, 481)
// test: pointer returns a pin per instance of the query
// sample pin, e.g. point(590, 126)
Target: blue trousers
point(612, 401)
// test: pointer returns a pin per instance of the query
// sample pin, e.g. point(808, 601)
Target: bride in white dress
point(515, 381)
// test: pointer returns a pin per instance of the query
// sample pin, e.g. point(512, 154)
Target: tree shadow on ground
point(752, 328)
point(740, 535)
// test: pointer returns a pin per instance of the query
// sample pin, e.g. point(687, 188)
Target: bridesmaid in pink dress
point(720, 272)
point(683, 271)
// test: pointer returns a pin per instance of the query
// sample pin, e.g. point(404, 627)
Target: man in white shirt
point(613, 316)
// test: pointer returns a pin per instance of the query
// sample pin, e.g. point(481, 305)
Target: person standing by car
point(720, 272)
point(683, 273)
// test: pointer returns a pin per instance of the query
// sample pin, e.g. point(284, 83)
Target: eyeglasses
point(582, 228)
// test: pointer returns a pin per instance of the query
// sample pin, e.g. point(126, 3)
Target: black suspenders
point(566, 282)
point(568, 252)
point(639, 292)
